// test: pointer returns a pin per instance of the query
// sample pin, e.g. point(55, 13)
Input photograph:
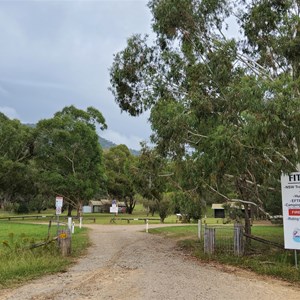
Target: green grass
point(18, 263)
point(260, 258)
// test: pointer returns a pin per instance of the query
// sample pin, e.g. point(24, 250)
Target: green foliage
point(18, 263)
point(21, 208)
point(225, 110)
point(164, 206)
point(119, 166)
point(68, 155)
point(16, 149)
point(189, 205)
point(59, 156)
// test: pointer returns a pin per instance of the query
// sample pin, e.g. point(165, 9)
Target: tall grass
point(19, 263)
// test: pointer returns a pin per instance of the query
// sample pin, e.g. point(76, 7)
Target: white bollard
point(73, 226)
point(199, 228)
point(70, 223)
point(80, 222)
point(147, 226)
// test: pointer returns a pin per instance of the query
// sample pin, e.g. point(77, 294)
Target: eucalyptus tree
point(152, 181)
point(69, 156)
point(16, 149)
point(119, 168)
point(228, 105)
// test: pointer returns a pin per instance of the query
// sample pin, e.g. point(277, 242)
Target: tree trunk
point(129, 205)
point(242, 186)
point(79, 209)
point(70, 210)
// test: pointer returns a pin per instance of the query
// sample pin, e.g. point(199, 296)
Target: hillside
point(105, 144)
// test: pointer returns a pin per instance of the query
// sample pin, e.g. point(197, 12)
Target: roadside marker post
point(58, 206)
point(70, 224)
point(199, 228)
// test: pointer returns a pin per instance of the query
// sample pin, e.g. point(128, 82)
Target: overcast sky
point(57, 53)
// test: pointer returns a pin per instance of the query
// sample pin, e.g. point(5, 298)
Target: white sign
point(113, 209)
point(58, 210)
point(59, 202)
point(290, 189)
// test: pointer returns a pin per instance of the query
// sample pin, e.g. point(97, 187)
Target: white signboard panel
point(58, 201)
point(58, 210)
point(113, 209)
point(290, 189)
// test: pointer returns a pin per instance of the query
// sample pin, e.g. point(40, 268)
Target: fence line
point(224, 239)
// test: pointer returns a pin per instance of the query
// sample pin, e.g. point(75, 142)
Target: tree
point(150, 178)
point(16, 149)
point(119, 165)
point(68, 155)
point(227, 105)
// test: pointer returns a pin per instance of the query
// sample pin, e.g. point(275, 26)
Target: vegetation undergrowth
point(260, 258)
point(19, 263)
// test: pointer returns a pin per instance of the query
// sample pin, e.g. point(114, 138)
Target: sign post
point(58, 207)
point(290, 190)
point(114, 207)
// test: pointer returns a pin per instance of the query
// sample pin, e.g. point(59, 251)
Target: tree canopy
point(119, 166)
point(16, 149)
point(69, 156)
point(228, 105)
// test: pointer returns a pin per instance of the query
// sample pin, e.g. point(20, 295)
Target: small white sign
point(59, 201)
point(58, 210)
point(290, 190)
point(113, 209)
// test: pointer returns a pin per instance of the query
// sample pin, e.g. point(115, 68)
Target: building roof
point(220, 205)
point(217, 206)
point(105, 202)
point(100, 202)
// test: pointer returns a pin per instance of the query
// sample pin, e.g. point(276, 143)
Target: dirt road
point(125, 263)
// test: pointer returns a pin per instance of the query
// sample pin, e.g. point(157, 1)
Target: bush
point(21, 208)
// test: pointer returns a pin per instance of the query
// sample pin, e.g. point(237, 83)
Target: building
point(103, 206)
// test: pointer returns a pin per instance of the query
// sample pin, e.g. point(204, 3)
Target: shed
point(100, 206)
point(219, 211)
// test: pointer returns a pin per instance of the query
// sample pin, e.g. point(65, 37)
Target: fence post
point(64, 242)
point(238, 243)
point(209, 240)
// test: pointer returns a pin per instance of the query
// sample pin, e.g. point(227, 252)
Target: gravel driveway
point(126, 263)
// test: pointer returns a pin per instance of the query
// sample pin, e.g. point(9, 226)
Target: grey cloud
point(57, 53)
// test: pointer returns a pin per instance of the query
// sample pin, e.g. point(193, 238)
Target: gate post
point(209, 240)
point(238, 243)
point(64, 242)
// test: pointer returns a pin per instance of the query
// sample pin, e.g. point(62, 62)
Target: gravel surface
point(127, 263)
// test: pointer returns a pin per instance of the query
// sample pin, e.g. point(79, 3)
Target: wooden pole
point(64, 242)
point(238, 244)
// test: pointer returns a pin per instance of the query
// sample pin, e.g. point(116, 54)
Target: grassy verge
point(260, 258)
point(18, 263)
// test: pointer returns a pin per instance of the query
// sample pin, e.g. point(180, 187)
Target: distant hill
point(105, 144)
